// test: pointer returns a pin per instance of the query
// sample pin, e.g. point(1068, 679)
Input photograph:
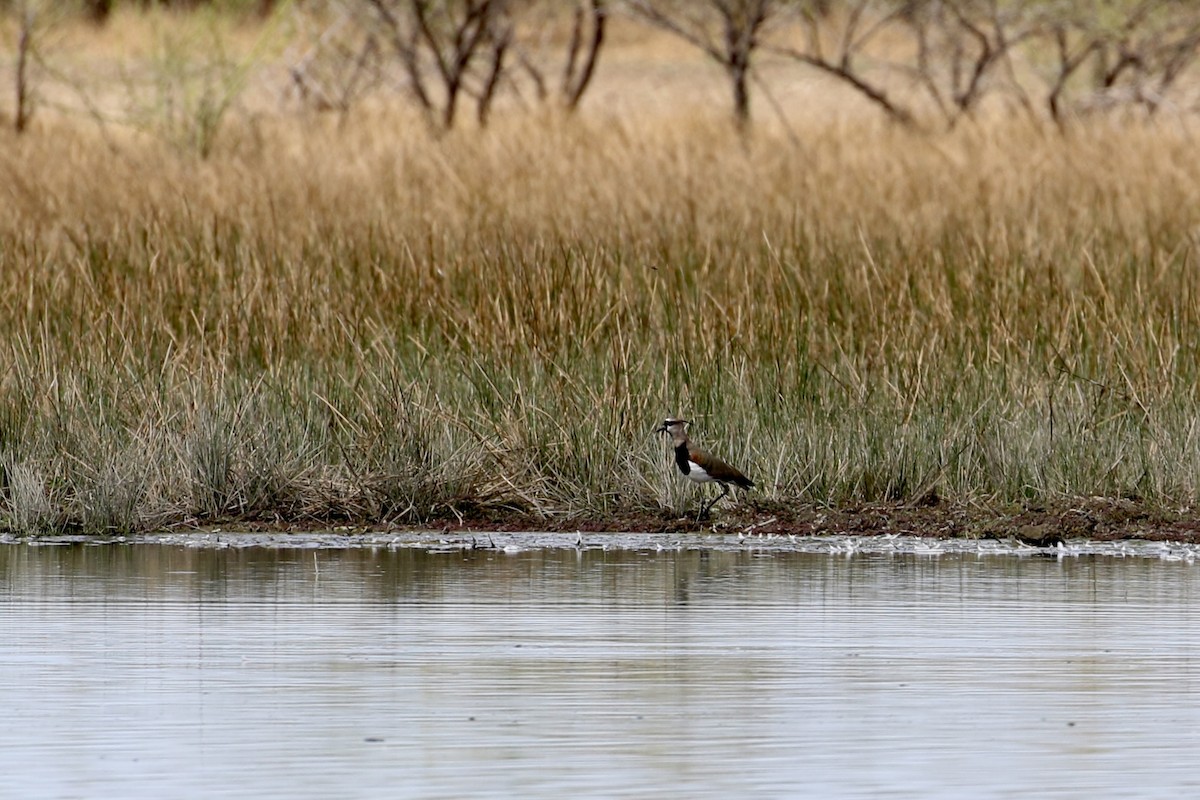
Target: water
point(150, 671)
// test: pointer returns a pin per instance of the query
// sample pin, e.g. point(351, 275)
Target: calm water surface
point(158, 671)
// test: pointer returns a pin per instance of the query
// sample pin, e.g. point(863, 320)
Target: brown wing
point(718, 469)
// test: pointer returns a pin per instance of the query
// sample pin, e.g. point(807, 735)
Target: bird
point(699, 466)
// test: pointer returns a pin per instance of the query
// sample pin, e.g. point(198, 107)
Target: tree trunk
point(576, 80)
point(98, 11)
point(740, 76)
point(24, 45)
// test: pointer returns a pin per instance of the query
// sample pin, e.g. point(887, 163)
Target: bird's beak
point(661, 429)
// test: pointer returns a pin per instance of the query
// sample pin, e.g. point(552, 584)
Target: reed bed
point(365, 323)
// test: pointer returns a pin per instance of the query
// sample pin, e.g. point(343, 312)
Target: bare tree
point(589, 20)
point(442, 51)
point(447, 48)
point(336, 60)
point(918, 61)
point(23, 98)
point(1142, 58)
point(1074, 45)
point(963, 50)
point(24, 42)
point(583, 52)
point(727, 31)
point(1135, 53)
point(834, 45)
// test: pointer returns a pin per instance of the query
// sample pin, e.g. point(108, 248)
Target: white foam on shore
point(509, 542)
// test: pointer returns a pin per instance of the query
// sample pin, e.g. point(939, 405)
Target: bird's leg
point(713, 502)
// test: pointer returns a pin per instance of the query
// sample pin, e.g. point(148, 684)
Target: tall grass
point(367, 324)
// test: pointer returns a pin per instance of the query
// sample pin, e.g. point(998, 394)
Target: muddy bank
point(1095, 519)
point(1092, 520)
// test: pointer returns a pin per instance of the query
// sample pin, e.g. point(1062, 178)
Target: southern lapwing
point(698, 465)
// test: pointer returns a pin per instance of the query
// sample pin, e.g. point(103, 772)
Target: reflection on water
point(156, 671)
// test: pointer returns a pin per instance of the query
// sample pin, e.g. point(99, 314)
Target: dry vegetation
point(356, 320)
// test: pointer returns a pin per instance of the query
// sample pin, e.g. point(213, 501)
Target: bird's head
point(675, 427)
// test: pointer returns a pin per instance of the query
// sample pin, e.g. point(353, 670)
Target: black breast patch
point(681, 458)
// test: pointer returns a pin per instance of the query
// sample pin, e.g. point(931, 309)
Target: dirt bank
point(1093, 519)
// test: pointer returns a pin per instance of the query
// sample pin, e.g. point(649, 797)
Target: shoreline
point(501, 545)
point(1094, 520)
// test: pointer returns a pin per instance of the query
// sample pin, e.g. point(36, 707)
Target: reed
point(363, 323)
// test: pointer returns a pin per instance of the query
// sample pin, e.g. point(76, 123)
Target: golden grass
point(364, 322)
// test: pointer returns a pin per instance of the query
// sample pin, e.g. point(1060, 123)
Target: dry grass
point(361, 322)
